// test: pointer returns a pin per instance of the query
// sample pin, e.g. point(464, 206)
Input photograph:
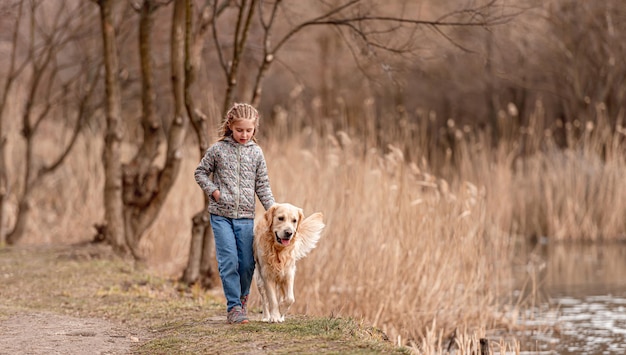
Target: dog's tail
point(309, 233)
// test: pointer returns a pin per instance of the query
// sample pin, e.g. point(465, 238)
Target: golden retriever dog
point(282, 237)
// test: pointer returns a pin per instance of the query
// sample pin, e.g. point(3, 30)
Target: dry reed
point(402, 249)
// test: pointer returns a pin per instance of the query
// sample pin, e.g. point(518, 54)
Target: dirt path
point(41, 333)
point(84, 300)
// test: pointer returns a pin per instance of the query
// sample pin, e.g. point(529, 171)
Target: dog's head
point(283, 220)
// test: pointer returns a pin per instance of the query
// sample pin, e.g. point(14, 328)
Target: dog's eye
point(281, 218)
point(294, 220)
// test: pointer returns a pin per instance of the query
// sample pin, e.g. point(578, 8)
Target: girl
point(230, 173)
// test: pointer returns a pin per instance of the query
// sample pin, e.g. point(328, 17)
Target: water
point(582, 296)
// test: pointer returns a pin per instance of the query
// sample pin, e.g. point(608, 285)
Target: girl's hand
point(216, 195)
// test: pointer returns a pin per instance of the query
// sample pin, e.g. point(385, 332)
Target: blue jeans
point(235, 259)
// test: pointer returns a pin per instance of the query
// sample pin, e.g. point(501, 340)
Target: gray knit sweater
point(238, 171)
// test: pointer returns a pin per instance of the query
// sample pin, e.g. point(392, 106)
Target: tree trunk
point(209, 275)
point(23, 206)
point(113, 203)
point(146, 187)
point(201, 265)
point(140, 176)
point(3, 182)
point(28, 130)
point(10, 78)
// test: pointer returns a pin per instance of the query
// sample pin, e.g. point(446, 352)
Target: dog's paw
point(276, 318)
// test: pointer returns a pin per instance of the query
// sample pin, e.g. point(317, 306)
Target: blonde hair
point(239, 111)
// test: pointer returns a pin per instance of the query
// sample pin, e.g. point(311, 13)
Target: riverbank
point(85, 300)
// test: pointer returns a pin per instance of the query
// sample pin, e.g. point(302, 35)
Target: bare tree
point(50, 85)
point(200, 264)
point(12, 73)
point(145, 185)
point(135, 192)
point(113, 203)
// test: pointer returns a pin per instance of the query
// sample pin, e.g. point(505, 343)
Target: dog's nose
point(287, 234)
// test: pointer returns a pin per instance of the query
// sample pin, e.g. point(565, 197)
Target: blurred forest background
point(434, 136)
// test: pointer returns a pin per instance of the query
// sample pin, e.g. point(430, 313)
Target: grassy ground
point(163, 317)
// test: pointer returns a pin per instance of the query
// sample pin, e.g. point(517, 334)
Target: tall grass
point(416, 253)
point(402, 248)
point(573, 190)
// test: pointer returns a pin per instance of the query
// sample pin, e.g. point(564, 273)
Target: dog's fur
point(282, 237)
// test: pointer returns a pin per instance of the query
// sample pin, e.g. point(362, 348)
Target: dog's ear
point(269, 216)
point(309, 232)
point(300, 218)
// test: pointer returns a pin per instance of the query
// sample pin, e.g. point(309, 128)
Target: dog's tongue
point(285, 241)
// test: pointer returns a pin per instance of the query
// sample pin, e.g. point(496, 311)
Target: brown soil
point(47, 333)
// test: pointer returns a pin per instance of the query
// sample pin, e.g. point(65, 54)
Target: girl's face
point(243, 130)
